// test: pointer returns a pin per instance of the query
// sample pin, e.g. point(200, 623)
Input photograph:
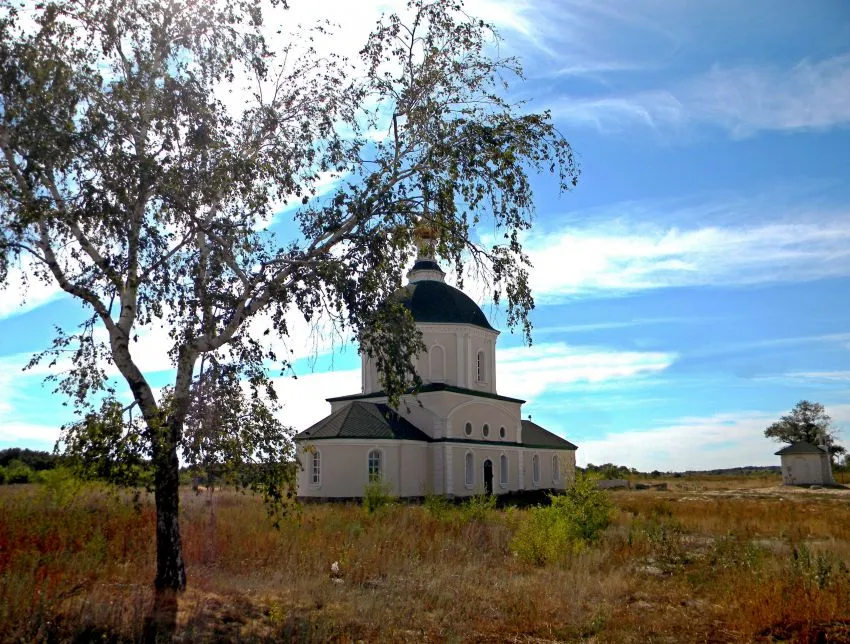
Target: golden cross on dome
point(425, 234)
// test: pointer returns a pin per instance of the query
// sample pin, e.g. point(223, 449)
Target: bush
point(376, 494)
point(2, 475)
point(570, 523)
point(437, 505)
point(19, 472)
point(478, 506)
point(60, 485)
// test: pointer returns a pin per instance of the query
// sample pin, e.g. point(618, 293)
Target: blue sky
point(691, 289)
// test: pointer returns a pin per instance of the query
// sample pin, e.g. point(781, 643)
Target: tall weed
point(569, 524)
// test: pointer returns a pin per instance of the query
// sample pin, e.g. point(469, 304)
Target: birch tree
point(134, 181)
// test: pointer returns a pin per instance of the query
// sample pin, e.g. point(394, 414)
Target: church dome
point(433, 301)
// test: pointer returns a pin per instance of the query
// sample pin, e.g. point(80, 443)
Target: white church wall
point(345, 467)
point(480, 412)
point(483, 342)
point(546, 478)
point(480, 453)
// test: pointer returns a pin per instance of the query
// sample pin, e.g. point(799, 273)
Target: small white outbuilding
point(805, 464)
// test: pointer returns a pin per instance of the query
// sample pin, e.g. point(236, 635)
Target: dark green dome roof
point(438, 303)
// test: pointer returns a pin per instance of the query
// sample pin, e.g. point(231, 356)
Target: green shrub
point(587, 508)
point(2, 475)
point(60, 485)
point(478, 507)
point(376, 494)
point(437, 505)
point(19, 472)
point(573, 521)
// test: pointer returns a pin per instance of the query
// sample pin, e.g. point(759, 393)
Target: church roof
point(363, 420)
point(533, 435)
point(437, 302)
point(801, 447)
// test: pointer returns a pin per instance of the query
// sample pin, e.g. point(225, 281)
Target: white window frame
point(535, 470)
point(380, 474)
point(316, 468)
point(503, 432)
point(469, 470)
point(485, 430)
point(556, 469)
point(504, 473)
point(467, 429)
point(482, 367)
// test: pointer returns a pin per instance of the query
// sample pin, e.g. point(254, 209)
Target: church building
point(456, 437)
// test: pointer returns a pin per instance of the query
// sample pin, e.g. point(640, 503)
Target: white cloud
point(732, 439)
point(620, 257)
point(17, 434)
point(528, 372)
point(742, 100)
point(22, 291)
point(304, 398)
point(830, 376)
point(617, 113)
point(810, 95)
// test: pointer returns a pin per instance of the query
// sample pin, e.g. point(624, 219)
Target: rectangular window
point(316, 469)
point(503, 470)
point(375, 472)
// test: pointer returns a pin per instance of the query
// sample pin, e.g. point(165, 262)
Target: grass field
point(708, 560)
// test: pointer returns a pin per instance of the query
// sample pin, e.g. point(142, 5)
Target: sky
point(692, 288)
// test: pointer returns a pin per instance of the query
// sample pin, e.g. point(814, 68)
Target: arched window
point(467, 429)
point(485, 431)
point(482, 367)
point(503, 470)
point(535, 469)
point(315, 468)
point(470, 469)
point(438, 363)
point(376, 465)
point(556, 469)
point(502, 433)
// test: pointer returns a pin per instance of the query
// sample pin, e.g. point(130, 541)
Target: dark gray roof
point(363, 420)
point(533, 435)
point(434, 386)
point(437, 302)
point(426, 265)
point(801, 447)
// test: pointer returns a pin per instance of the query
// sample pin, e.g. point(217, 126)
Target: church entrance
point(488, 477)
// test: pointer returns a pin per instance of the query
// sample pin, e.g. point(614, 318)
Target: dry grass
point(692, 564)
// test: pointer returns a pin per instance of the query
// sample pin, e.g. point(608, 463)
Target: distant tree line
point(20, 465)
point(611, 471)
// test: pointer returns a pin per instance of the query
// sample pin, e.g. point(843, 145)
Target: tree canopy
point(145, 145)
point(807, 422)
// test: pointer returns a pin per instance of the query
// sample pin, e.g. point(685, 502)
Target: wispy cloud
point(622, 256)
point(811, 95)
point(723, 440)
point(528, 372)
point(22, 291)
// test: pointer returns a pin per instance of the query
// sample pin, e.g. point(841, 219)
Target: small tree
point(808, 422)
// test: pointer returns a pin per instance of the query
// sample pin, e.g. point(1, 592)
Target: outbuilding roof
point(801, 447)
point(363, 420)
